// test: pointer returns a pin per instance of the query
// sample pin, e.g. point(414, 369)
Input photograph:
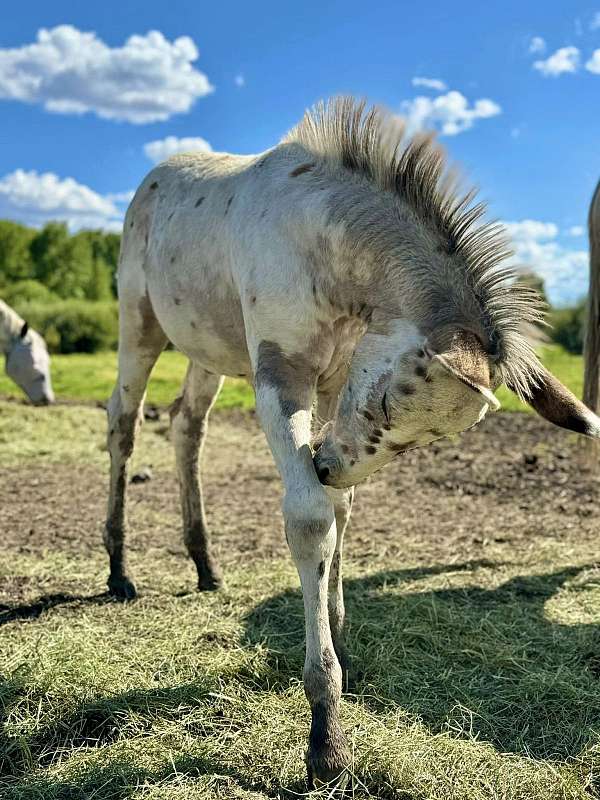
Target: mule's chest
point(346, 334)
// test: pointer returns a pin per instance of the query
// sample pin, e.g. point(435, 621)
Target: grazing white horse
point(27, 359)
point(339, 265)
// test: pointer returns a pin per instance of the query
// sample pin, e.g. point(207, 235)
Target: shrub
point(74, 326)
point(568, 327)
point(27, 291)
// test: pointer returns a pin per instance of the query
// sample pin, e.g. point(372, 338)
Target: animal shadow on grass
point(98, 724)
point(120, 779)
point(483, 662)
point(11, 613)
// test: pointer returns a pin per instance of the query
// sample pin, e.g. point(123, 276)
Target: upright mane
point(372, 142)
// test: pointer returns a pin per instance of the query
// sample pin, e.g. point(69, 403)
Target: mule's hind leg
point(189, 418)
point(342, 503)
point(141, 340)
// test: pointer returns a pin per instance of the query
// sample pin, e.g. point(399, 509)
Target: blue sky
point(513, 88)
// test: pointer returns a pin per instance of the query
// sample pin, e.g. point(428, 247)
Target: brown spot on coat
point(374, 439)
point(301, 169)
point(229, 202)
point(293, 376)
point(154, 185)
point(198, 202)
point(321, 569)
point(370, 449)
point(406, 388)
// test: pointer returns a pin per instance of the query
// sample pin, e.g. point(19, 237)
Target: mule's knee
point(309, 526)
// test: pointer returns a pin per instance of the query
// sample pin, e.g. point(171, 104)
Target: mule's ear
point(24, 330)
point(558, 405)
point(461, 353)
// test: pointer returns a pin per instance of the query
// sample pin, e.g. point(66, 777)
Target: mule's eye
point(384, 408)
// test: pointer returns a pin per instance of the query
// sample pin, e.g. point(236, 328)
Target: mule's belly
point(204, 321)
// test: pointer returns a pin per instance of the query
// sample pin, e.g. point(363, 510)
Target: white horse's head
point(28, 364)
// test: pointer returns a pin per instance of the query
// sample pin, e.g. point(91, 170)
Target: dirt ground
point(512, 484)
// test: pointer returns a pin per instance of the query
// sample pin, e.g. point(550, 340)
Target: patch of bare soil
point(513, 481)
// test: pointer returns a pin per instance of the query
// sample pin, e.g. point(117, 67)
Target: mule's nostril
point(323, 474)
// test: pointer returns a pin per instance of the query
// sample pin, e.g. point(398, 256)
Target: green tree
point(15, 256)
point(63, 263)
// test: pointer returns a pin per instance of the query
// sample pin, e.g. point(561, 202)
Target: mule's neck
point(377, 253)
point(11, 325)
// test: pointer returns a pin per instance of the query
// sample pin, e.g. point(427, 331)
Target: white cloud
point(565, 59)
point(529, 229)
point(593, 65)
point(69, 71)
point(121, 197)
point(162, 149)
point(451, 113)
point(239, 81)
point(595, 23)
point(565, 271)
point(537, 45)
point(430, 83)
point(35, 198)
point(576, 230)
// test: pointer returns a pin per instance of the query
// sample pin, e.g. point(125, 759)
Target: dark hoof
point(121, 588)
point(322, 775)
point(209, 578)
point(328, 766)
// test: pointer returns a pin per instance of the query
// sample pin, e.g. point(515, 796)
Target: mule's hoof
point(121, 588)
point(329, 766)
point(210, 583)
point(209, 578)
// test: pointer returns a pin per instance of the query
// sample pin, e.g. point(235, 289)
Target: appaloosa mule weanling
point(340, 265)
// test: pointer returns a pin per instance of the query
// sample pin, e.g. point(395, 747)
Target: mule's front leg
point(311, 534)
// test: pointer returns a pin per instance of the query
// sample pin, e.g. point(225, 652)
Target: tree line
point(50, 263)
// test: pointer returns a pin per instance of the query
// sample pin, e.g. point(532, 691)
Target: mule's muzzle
point(329, 469)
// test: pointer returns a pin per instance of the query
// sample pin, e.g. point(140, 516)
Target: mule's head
point(405, 390)
point(28, 364)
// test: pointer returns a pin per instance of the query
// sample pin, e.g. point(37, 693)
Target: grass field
point(89, 378)
point(477, 658)
point(474, 627)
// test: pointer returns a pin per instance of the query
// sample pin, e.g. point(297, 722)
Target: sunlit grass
point(91, 377)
